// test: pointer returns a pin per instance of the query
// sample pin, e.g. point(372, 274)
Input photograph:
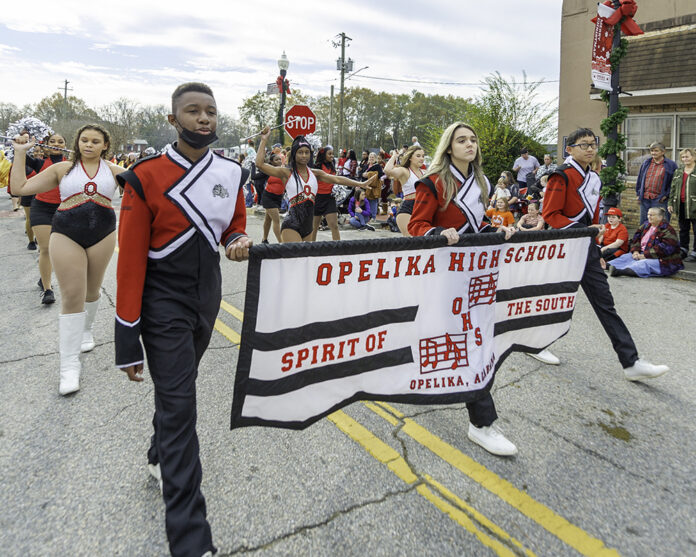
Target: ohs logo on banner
point(451, 351)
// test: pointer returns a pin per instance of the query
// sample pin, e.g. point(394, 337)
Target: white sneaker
point(643, 369)
point(545, 357)
point(491, 439)
point(156, 473)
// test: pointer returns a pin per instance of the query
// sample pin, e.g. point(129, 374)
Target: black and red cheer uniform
point(174, 215)
point(465, 213)
point(571, 201)
point(44, 205)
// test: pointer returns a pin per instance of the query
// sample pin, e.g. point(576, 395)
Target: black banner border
point(351, 247)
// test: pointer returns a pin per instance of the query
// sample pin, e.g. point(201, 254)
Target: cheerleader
point(272, 199)
point(42, 208)
point(26, 200)
point(451, 200)
point(407, 173)
point(325, 203)
point(300, 181)
point(82, 239)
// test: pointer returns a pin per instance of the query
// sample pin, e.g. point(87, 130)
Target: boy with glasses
point(572, 201)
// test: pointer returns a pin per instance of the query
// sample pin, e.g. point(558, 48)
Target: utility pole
point(65, 90)
point(331, 117)
point(343, 65)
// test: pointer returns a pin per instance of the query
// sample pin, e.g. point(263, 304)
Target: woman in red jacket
point(451, 200)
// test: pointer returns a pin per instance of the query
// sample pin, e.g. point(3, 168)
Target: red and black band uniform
point(174, 215)
point(466, 214)
point(572, 201)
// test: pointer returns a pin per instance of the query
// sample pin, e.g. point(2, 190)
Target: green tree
point(153, 126)
point(9, 113)
point(506, 116)
point(65, 116)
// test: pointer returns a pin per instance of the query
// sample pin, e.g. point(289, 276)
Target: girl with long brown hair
point(408, 172)
point(82, 239)
point(451, 200)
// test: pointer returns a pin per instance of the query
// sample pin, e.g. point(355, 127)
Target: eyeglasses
point(585, 146)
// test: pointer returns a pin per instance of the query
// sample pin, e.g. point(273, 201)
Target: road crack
point(307, 528)
point(597, 454)
point(126, 407)
point(423, 481)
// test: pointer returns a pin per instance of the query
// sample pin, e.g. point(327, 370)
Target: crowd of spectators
point(518, 198)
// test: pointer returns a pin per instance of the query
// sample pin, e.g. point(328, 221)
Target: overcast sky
point(143, 49)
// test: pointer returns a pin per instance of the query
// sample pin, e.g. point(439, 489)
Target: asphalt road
point(605, 466)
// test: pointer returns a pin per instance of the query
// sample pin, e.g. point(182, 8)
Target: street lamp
point(283, 65)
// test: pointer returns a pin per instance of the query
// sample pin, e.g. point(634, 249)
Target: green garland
point(612, 183)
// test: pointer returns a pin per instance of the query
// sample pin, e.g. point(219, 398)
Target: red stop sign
point(300, 120)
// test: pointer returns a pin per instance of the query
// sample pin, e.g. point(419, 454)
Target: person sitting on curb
point(613, 236)
point(359, 210)
point(654, 250)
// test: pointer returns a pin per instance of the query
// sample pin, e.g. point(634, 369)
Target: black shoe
point(31, 246)
point(40, 284)
point(47, 297)
point(370, 227)
point(264, 241)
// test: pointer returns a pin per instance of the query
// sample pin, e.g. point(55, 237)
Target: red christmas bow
point(283, 84)
point(624, 14)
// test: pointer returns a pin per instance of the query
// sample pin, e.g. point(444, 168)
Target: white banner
point(403, 320)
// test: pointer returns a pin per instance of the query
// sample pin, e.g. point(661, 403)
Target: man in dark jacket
point(654, 181)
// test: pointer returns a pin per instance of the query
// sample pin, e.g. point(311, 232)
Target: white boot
point(70, 329)
point(87, 338)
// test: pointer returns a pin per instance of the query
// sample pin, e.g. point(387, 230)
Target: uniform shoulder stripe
point(131, 178)
point(428, 183)
point(223, 157)
point(560, 171)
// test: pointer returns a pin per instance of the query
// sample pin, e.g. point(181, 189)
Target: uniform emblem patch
point(219, 191)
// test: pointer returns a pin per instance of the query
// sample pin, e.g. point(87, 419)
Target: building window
point(641, 131)
point(676, 131)
point(687, 133)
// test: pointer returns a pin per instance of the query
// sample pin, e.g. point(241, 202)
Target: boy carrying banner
point(177, 208)
point(571, 201)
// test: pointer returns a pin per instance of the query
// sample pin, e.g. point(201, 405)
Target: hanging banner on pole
point(601, 48)
point(404, 320)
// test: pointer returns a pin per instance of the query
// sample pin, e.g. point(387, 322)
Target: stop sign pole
point(300, 120)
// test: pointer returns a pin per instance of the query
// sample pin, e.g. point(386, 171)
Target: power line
point(443, 82)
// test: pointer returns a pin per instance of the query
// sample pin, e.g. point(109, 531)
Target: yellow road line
point(396, 463)
point(575, 537)
point(228, 332)
point(556, 525)
point(233, 311)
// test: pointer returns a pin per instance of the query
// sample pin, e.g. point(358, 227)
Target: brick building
point(659, 71)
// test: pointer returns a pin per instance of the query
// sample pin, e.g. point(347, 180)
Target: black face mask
point(196, 140)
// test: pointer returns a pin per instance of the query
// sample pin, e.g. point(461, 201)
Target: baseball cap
point(615, 211)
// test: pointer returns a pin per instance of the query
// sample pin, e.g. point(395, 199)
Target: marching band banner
point(405, 320)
